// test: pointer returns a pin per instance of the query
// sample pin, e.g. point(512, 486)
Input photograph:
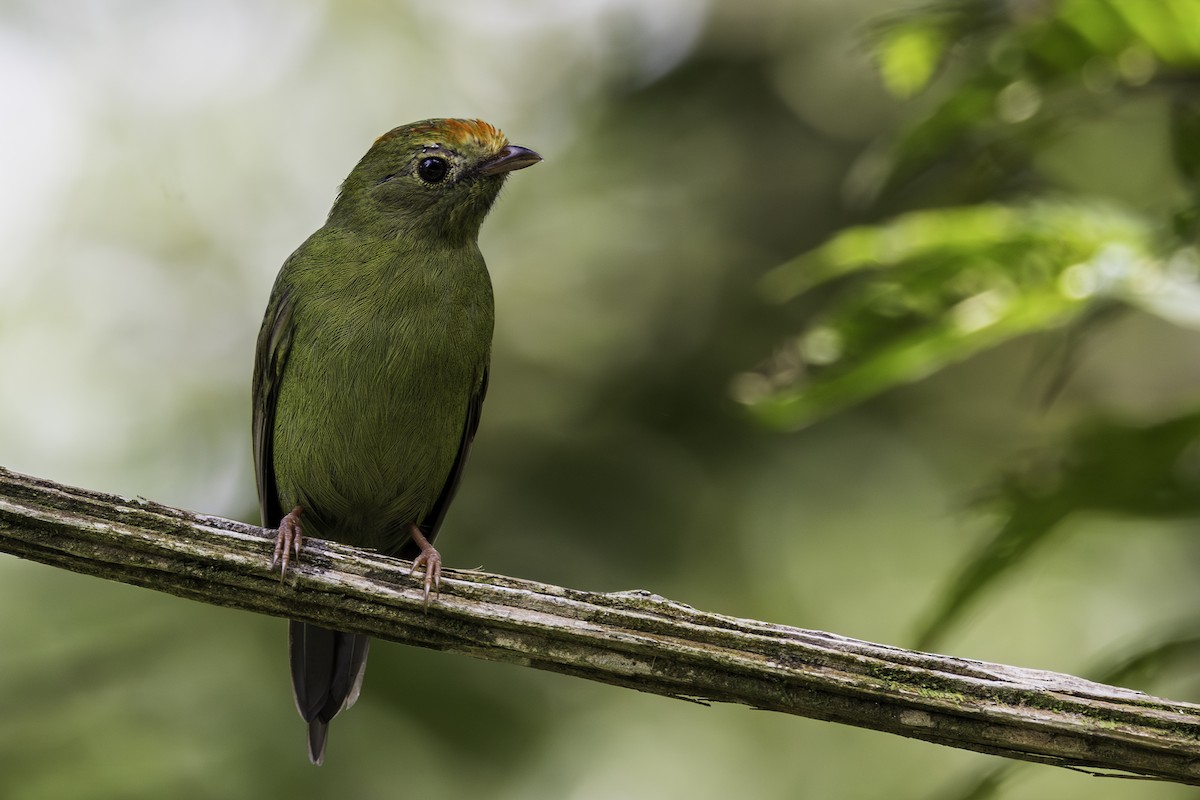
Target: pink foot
point(288, 539)
point(431, 560)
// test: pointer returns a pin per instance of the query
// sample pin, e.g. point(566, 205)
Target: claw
point(288, 539)
point(431, 560)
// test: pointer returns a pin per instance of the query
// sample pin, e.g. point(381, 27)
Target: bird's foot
point(431, 560)
point(287, 540)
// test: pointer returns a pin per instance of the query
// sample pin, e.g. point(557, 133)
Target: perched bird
point(371, 369)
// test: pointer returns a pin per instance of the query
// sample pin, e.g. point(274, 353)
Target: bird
point(370, 373)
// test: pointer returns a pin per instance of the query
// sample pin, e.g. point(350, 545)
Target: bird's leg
point(430, 559)
point(287, 539)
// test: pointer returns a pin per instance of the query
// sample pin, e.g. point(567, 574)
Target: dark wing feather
point(274, 343)
point(433, 520)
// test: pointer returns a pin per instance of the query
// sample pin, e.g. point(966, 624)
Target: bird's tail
point(317, 731)
point(327, 673)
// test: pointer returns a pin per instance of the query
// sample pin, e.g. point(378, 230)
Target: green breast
point(387, 353)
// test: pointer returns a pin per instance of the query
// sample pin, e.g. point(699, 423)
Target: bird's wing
point(274, 344)
point(433, 520)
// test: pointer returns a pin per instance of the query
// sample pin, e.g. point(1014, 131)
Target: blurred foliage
point(1111, 467)
point(1006, 247)
point(944, 285)
point(992, 181)
point(939, 285)
point(1017, 73)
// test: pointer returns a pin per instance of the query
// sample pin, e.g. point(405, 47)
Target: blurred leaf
point(1179, 650)
point(910, 45)
point(1185, 138)
point(936, 287)
point(1020, 77)
point(908, 54)
point(1175, 294)
point(983, 784)
point(1138, 470)
point(908, 58)
point(1185, 152)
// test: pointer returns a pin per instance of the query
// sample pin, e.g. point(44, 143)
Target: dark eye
point(432, 170)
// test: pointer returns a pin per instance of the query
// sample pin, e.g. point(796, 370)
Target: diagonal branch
point(633, 639)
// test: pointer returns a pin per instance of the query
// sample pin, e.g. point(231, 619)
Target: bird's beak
point(510, 158)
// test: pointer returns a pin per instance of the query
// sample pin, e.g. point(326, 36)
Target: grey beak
point(512, 157)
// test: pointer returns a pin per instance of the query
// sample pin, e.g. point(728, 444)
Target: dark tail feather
point(317, 731)
point(327, 672)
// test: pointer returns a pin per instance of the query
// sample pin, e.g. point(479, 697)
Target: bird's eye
point(433, 170)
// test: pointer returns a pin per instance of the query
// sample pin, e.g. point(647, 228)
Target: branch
point(632, 639)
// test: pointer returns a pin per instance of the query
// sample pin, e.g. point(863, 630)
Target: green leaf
point(936, 287)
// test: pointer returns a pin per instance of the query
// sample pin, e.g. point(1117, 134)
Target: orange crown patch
point(453, 133)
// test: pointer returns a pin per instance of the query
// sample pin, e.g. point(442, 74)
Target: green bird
point(371, 369)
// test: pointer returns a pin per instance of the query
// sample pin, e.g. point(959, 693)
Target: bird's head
point(436, 178)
